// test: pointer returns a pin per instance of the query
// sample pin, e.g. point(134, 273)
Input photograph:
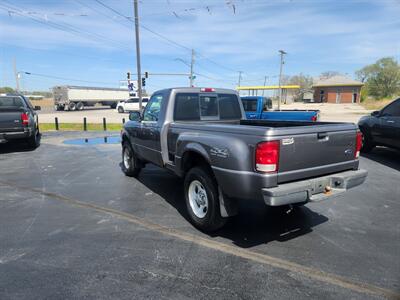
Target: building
point(337, 89)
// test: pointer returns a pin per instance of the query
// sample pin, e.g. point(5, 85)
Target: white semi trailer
point(69, 97)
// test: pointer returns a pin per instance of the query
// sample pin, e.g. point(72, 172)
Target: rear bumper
point(15, 135)
point(312, 190)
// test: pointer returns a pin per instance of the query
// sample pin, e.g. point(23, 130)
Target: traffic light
point(128, 75)
point(143, 81)
point(146, 74)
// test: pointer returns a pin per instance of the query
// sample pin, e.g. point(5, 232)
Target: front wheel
point(202, 201)
point(367, 144)
point(130, 163)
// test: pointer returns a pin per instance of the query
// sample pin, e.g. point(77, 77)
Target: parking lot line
point(312, 273)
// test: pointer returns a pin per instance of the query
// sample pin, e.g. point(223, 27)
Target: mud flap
point(228, 207)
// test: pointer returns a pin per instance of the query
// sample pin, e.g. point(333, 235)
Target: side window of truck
point(153, 108)
point(392, 110)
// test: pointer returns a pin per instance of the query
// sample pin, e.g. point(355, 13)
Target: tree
point(382, 79)
point(304, 81)
point(329, 74)
point(6, 90)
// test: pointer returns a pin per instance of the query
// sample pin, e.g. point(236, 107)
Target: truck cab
point(260, 108)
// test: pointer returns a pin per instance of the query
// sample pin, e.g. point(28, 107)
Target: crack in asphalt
point(329, 278)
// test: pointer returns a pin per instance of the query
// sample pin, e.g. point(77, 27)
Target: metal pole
point(191, 69)
point(104, 124)
point(84, 124)
point(16, 75)
point(280, 79)
point(56, 123)
point(265, 82)
point(240, 77)
point(139, 84)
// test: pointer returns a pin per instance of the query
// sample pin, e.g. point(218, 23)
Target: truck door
point(149, 133)
point(389, 127)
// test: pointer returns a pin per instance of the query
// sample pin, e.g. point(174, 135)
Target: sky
point(92, 42)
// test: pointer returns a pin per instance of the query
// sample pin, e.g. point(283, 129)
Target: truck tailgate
point(10, 121)
point(314, 154)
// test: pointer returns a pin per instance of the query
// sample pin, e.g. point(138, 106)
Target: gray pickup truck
point(201, 134)
point(18, 120)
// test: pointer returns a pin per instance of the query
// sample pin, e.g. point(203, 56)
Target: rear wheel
point(72, 106)
point(34, 140)
point(202, 200)
point(79, 106)
point(120, 109)
point(130, 163)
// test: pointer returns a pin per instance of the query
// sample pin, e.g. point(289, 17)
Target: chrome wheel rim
point(127, 158)
point(198, 199)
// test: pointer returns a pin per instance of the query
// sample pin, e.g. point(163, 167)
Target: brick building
point(337, 89)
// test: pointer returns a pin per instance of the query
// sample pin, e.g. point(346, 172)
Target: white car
point(131, 104)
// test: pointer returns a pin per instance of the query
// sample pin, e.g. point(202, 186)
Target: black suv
point(382, 128)
point(18, 120)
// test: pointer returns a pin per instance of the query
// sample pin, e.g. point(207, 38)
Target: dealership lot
point(72, 225)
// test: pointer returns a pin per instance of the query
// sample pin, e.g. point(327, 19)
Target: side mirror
point(37, 108)
point(135, 116)
point(375, 113)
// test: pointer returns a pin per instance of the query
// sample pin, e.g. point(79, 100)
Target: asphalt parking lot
point(73, 226)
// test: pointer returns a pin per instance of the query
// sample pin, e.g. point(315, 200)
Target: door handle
point(389, 121)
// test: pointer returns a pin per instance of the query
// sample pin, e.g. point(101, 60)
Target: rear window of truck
point(11, 102)
point(195, 107)
point(250, 104)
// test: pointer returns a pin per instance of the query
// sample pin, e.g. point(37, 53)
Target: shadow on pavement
point(14, 146)
point(256, 223)
point(385, 156)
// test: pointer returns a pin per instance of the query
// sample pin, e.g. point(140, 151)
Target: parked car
point(201, 135)
point(260, 108)
point(131, 104)
point(382, 128)
point(18, 120)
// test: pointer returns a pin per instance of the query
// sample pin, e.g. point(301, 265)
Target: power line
point(63, 78)
point(62, 26)
point(164, 37)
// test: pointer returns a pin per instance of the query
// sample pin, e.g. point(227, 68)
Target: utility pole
point(265, 82)
point(139, 73)
point(240, 77)
point(16, 75)
point(282, 53)
point(191, 69)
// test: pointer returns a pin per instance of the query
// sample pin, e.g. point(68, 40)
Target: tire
point(72, 106)
point(202, 200)
point(34, 140)
point(131, 165)
point(80, 106)
point(367, 144)
point(120, 109)
point(113, 106)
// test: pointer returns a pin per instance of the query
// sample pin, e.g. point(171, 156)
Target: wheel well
point(191, 159)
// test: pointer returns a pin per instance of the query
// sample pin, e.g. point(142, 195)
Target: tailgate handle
point(323, 136)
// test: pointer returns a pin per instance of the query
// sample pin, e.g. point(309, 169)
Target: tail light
point(358, 144)
point(314, 118)
point(267, 156)
point(25, 119)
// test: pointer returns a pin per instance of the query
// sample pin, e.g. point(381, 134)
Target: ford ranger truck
point(202, 135)
point(18, 120)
